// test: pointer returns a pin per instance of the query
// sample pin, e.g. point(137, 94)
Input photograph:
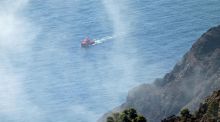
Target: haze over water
point(46, 76)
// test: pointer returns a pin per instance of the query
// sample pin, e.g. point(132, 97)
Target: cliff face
point(209, 111)
point(191, 80)
point(196, 76)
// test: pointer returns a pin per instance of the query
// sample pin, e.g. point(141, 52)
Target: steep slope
point(192, 79)
point(196, 76)
point(209, 111)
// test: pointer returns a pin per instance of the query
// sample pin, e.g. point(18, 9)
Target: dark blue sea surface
point(49, 77)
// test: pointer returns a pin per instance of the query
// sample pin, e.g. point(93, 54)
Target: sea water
point(46, 76)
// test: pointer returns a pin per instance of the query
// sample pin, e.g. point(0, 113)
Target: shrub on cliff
point(128, 115)
point(185, 112)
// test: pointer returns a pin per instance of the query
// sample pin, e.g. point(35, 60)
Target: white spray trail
point(107, 38)
point(102, 40)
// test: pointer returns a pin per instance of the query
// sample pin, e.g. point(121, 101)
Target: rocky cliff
point(196, 76)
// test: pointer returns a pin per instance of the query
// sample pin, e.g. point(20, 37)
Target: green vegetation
point(208, 111)
point(185, 115)
point(185, 112)
point(128, 115)
point(213, 110)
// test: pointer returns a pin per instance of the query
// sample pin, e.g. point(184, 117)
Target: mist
point(16, 35)
point(47, 76)
point(125, 60)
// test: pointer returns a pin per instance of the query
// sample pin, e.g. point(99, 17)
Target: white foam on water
point(107, 38)
point(102, 40)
